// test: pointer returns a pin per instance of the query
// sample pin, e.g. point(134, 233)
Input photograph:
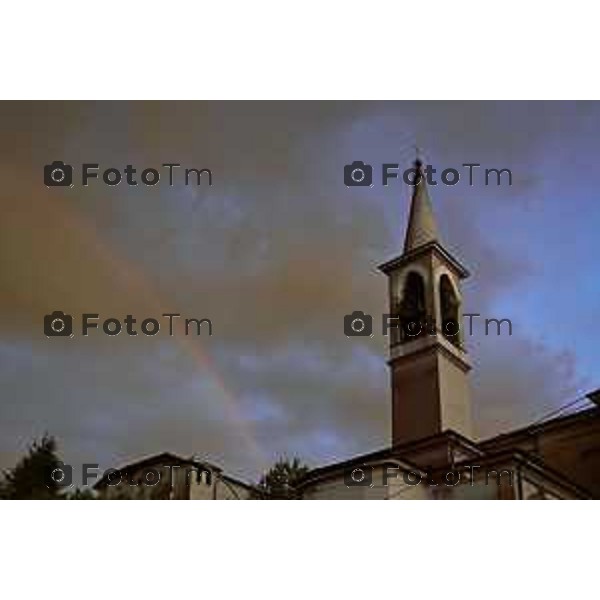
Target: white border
point(321, 550)
point(299, 50)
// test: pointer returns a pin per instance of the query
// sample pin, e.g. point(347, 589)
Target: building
point(433, 454)
point(167, 476)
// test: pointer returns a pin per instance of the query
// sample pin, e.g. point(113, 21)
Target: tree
point(80, 494)
point(280, 482)
point(30, 479)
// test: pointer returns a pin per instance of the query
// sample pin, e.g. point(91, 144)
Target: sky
point(275, 253)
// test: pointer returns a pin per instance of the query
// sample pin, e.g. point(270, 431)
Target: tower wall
point(415, 392)
point(430, 393)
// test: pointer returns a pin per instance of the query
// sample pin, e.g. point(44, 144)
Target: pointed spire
point(421, 222)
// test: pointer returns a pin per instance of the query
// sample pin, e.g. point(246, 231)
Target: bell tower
point(428, 362)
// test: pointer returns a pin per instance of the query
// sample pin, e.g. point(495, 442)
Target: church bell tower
point(428, 361)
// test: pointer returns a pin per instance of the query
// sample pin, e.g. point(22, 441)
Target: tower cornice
point(434, 247)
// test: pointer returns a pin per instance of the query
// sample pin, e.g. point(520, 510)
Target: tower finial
point(418, 155)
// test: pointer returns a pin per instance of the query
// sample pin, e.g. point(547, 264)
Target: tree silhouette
point(80, 494)
point(31, 478)
point(280, 482)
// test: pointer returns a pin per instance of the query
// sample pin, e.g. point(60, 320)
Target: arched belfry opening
point(413, 308)
point(450, 311)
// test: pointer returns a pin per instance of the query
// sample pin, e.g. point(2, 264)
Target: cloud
point(275, 253)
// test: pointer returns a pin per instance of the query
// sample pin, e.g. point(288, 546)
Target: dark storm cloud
point(275, 253)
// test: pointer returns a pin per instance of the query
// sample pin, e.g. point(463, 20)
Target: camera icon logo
point(361, 476)
point(358, 174)
point(61, 476)
point(57, 174)
point(57, 324)
point(358, 324)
